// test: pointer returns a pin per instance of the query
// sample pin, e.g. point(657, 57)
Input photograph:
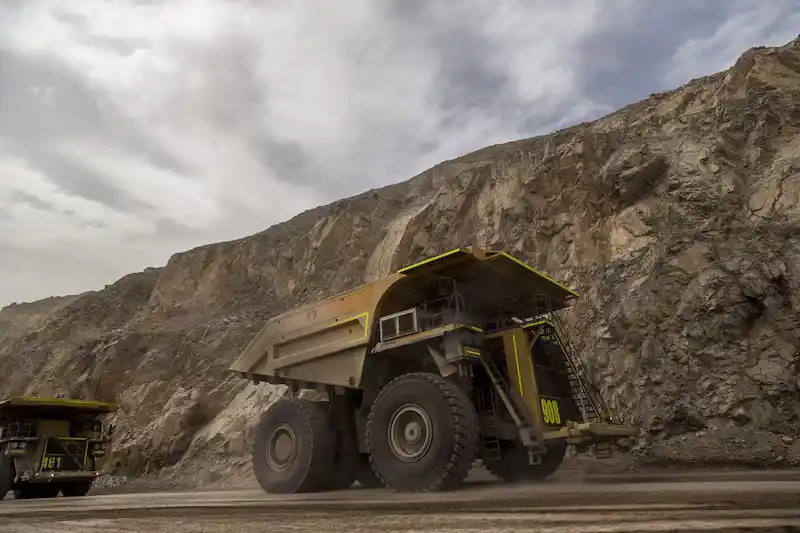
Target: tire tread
point(315, 473)
point(466, 431)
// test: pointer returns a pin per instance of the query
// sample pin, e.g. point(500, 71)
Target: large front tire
point(294, 447)
point(422, 434)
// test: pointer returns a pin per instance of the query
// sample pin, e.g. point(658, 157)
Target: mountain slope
point(677, 219)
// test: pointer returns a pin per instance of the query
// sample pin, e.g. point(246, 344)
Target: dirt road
point(557, 507)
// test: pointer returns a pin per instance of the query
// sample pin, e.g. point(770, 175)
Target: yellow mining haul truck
point(456, 358)
point(51, 445)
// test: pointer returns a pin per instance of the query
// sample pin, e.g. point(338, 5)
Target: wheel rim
point(410, 433)
point(281, 448)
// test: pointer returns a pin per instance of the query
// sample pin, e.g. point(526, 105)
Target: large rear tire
point(6, 475)
point(513, 465)
point(294, 447)
point(422, 434)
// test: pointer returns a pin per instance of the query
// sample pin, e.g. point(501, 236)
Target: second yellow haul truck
point(456, 358)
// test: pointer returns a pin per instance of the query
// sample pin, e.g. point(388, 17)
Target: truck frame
point(51, 445)
point(453, 359)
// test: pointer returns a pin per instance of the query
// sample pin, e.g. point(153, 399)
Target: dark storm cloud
point(227, 95)
point(626, 62)
point(31, 200)
point(628, 59)
point(174, 230)
point(469, 78)
point(44, 101)
point(288, 159)
point(76, 179)
point(27, 81)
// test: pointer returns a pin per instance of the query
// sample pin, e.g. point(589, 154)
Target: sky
point(131, 130)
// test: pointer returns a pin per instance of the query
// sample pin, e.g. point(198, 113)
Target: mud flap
point(6, 474)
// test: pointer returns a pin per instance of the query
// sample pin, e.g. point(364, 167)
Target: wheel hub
point(410, 433)
point(281, 448)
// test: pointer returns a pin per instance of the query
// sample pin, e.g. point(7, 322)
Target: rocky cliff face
point(676, 218)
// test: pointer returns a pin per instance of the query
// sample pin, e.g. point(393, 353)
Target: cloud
point(747, 24)
point(132, 130)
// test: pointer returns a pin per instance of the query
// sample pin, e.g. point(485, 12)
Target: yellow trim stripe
point(516, 359)
point(365, 316)
point(429, 260)
point(551, 280)
point(537, 323)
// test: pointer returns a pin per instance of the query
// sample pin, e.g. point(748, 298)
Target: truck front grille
point(65, 454)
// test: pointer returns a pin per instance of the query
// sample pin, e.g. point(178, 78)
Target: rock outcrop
point(676, 218)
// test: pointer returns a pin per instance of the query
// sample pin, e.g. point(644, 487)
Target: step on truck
point(51, 445)
point(457, 358)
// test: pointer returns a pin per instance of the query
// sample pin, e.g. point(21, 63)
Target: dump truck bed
point(328, 340)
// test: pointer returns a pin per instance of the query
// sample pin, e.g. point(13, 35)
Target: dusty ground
point(574, 470)
point(666, 518)
point(732, 503)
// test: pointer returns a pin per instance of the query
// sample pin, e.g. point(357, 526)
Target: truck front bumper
point(591, 431)
point(56, 477)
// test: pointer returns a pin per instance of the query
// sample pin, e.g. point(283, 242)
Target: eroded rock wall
point(676, 218)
